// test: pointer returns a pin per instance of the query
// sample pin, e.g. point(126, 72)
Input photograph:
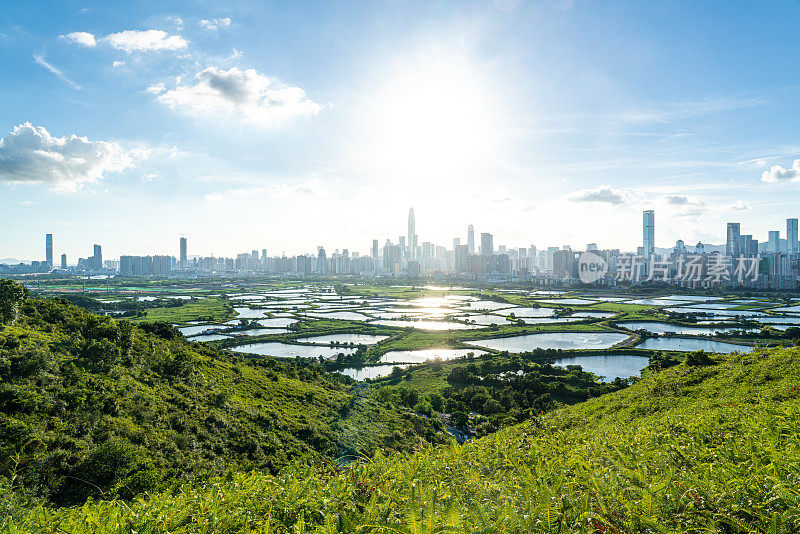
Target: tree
point(698, 357)
point(12, 295)
point(436, 400)
point(423, 408)
point(459, 419)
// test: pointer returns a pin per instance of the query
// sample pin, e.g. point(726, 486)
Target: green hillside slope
point(91, 407)
point(702, 448)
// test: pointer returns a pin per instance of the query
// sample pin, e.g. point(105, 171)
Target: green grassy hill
point(694, 448)
point(91, 407)
point(139, 421)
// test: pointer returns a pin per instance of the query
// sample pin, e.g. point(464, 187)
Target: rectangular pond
point(358, 339)
point(342, 315)
point(527, 312)
point(663, 328)
point(194, 330)
point(247, 313)
point(567, 300)
point(607, 366)
point(419, 356)
point(708, 311)
point(208, 337)
point(688, 345)
point(426, 325)
point(285, 350)
point(371, 371)
point(277, 322)
point(553, 340)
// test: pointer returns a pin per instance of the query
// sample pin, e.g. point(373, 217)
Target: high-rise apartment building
point(412, 232)
point(184, 252)
point(748, 246)
point(792, 245)
point(375, 249)
point(733, 239)
point(64, 261)
point(648, 233)
point(471, 239)
point(487, 243)
point(774, 242)
point(461, 253)
point(322, 261)
point(97, 258)
point(48, 250)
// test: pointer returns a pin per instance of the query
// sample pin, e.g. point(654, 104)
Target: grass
point(690, 449)
point(212, 310)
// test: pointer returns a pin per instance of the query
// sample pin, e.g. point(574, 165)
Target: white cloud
point(243, 94)
point(215, 24)
point(145, 41)
point(118, 64)
point(156, 88)
point(31, 154)
point(131, 40)
point(40, 60)
point(81, 38)
point(685, 206)
point(678, 200)
point(776, 173)
point(739, 205)
point(603, 194)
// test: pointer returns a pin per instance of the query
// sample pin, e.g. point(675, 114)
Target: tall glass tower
point(792, 246)
point(412, 231)
point(471, 239)
point(734, 237)
point(183, 252)
point(48, 249)
point(649, 233)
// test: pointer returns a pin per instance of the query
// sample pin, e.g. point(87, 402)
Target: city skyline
point(580, 116)
point(410, 251)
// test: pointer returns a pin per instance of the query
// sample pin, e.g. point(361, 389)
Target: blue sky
point(287, 125)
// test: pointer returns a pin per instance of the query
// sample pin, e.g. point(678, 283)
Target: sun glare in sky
point(432, 118)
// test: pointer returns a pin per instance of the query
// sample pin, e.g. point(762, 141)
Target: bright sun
point(434, 118)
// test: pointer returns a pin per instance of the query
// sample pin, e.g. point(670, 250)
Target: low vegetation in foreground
point(709, 445)
point(94, 407)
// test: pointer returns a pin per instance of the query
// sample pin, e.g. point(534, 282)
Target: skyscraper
point(792, 246)
point(774, 243)
point(460, 258)
point(322, 261)
point(412, 231)
point(48, 249)
point(471, 239)
point(733, 240)
point(184, 256)
point(487, 243)
point(375, 249)
point(64, 261)
point(97, 258)
point(745, 244)
point(648, 232)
